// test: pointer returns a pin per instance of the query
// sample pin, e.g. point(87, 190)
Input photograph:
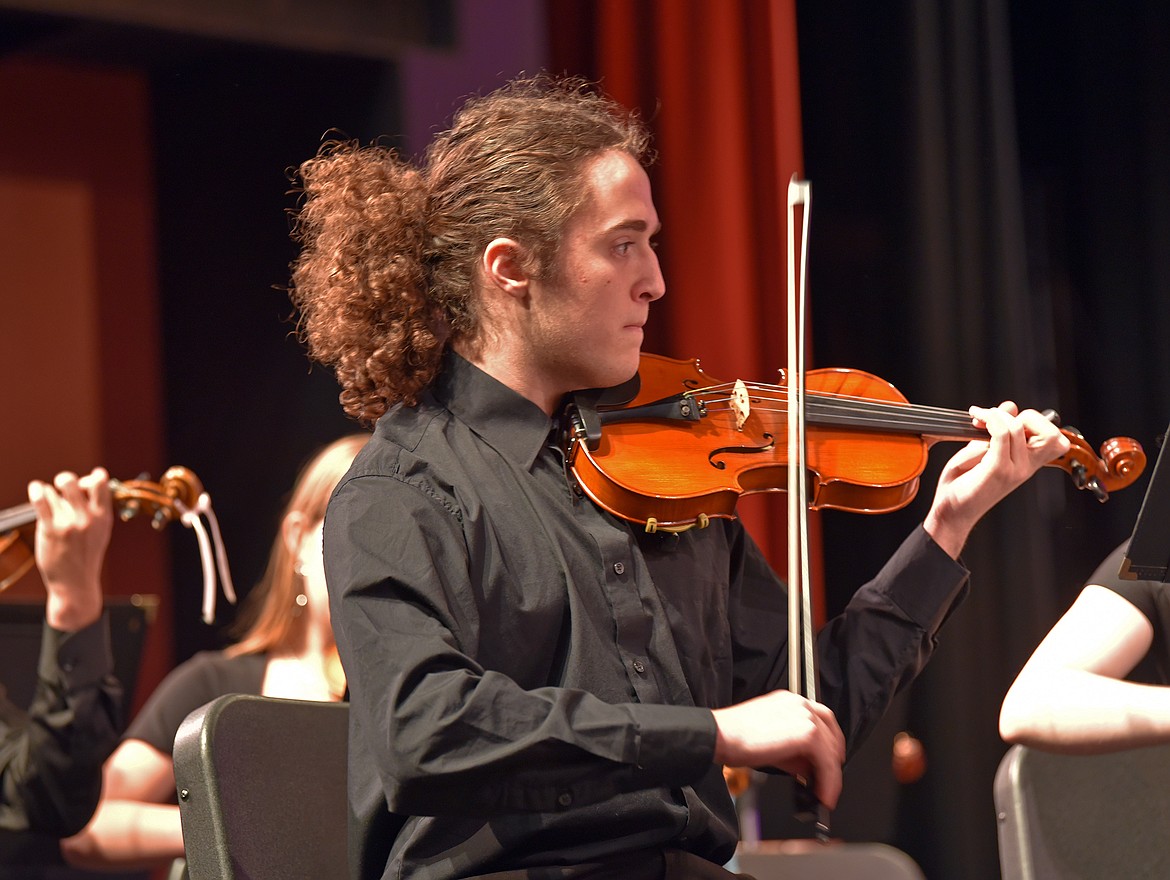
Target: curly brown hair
point(387, 273)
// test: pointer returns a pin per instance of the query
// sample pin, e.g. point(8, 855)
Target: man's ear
point(503, 266)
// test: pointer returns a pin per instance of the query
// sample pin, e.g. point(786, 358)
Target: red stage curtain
point(718, 83)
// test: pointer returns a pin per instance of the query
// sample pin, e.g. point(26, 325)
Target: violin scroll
point(178, 490)
point(1121, 462)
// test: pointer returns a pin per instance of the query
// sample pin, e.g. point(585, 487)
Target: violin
point(164, 501)
point(673, 448)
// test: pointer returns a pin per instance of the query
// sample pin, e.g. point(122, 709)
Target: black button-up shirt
point(531, 678)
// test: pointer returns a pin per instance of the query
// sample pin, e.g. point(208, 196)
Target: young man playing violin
point(51, 756)
point(539, 689)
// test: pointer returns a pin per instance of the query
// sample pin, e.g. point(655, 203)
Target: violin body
point(16, 557)
point(680, 449)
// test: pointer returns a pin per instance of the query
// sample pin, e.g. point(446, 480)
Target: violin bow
point(802, 671)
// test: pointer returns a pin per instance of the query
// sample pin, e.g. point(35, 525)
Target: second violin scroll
point(675, 448)
point(163, 501)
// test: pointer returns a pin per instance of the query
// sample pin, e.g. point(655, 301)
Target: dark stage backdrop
point(993, 190)
point(244, 408)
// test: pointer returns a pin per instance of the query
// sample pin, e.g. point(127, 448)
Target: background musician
point(283, 648)
point(1097, 682)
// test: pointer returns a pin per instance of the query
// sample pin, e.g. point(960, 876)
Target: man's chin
point(619, 375)
point(611, 377)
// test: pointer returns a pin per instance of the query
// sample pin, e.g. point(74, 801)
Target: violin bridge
point(740, 403)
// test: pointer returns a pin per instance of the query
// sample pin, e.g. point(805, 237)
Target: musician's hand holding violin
point(786, 731)
point(74, 520)
point(984, 472)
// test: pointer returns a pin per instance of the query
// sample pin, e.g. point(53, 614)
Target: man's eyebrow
point(634, 226)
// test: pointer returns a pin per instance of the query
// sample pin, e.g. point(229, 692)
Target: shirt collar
point(507, 421)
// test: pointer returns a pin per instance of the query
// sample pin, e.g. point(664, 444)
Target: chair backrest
point(1083, 816)
point(262, 789)
point(811, 860)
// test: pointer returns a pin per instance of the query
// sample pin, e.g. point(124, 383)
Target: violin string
point(861, 419)
point(777, 392)
point(780, 393)
point(877, 411)
point(859, 409)
point(840, 403)
point(895, 418)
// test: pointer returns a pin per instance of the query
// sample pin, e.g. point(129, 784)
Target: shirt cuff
point(674, 742)
point(924, 581)
point(75, 660)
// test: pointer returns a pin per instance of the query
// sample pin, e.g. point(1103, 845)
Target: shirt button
point(638, 667)
point(564, 799)
point(619, 568)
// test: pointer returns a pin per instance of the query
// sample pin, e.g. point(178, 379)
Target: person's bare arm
point(135, 826)
point(1069, 697)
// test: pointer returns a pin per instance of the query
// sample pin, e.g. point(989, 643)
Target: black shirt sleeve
point(51, 757)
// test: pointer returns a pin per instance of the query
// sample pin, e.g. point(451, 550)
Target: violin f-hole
point(739, 450)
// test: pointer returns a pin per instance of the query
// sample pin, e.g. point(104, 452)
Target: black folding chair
point(262, 789)
point(811, 860)
point(1077, 817)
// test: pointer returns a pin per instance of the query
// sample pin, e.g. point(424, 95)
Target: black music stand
point(1148, 555)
